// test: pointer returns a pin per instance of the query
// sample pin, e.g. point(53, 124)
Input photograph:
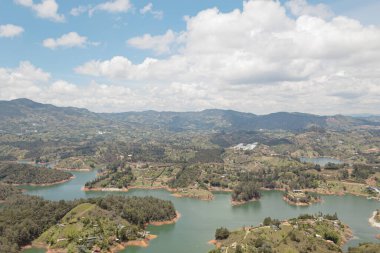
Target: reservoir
point(200, 218)
point(322, 161)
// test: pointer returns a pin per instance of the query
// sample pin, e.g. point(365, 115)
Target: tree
point(267, 221)
point(222, 233)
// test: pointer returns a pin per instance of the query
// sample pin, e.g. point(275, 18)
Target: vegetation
point(365, 248)
point(7, 191)
point(222, 233)
point(27, 174)
point(138, 210)
point(25, 218)
point(87, 227)
point(246, 192)
point(310, 233)
point(301, 198)
point(117, 175)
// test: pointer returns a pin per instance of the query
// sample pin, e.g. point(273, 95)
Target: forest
point(24, 218)
point(11, 173)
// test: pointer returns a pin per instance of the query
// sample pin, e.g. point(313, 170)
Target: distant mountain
point(19, 113)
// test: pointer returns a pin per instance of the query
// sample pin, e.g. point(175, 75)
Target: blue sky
point(107, 33)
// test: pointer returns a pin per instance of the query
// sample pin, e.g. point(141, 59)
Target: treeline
point(28, 174)
point(246, 191)
point(282, 178)
point(186, 176)
point(24, 218)
point(7, 191)
point(138, 210)
point(116, 175)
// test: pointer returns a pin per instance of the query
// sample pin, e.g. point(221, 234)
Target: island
point(375, 219)
point(244, 193)
point(307, 233)
point(96, 225)
point(301, 198)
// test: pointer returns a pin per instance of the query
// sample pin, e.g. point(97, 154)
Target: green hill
point(87, 227)
point(13, 173)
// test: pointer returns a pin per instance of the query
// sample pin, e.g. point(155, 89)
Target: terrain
point(191, 154)
point(102, 224)
point(25, 174)
point(195, 153)
point(307, 233)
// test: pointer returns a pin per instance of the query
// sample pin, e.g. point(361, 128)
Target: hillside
point(28, 174)
point(74, 226)
point(307, 233)
point(88, 226)
point(27, 116)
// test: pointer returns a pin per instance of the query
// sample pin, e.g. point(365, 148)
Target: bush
point(332, 236)
point(222, 233)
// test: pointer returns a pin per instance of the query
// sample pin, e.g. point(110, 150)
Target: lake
point(322, 161)
point(200, 218)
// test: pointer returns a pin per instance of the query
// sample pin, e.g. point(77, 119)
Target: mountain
point(23, 114)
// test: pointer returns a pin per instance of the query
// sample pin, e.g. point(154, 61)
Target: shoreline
point(75, 170)
point(203, 198)
point(177, 194)
point(168, 222)
point(117, 248)
point(99, 189)
point(240, 203)
point(325, 192)
point(46, 184)
point(290, 202)
point(372, 220)
point(174, 192)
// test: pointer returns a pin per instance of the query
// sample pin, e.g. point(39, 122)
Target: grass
point(287, 238)
point(86, 226)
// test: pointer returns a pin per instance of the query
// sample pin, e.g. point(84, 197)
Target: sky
point(258, 56)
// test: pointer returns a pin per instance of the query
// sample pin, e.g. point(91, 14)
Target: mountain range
point(20, 114)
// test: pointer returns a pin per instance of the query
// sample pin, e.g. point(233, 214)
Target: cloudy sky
point(257, 56)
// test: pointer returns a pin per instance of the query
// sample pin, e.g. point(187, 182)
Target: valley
point(226, 160)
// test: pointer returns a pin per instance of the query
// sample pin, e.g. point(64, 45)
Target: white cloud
point(149, 9)
point(47, 9)
point(79, 10)
point(26, 79)
point(10, 31)
point(159, 44)
point(258, 59)
point(301, 7)
point(71, 39)
point(113, 6)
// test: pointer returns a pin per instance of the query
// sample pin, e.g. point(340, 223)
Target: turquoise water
point(322, 161)
point(200, 218)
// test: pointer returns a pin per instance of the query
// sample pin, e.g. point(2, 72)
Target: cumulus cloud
point(301, 7)
point(23, 80)
point(47, 9)
point(113, 6)
point(76, 11)
point(10, 31)
point(149, 9)
point(257, 59)
point(160, 44)
point(71, 39)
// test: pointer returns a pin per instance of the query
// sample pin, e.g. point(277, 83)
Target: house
point(373, 189)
